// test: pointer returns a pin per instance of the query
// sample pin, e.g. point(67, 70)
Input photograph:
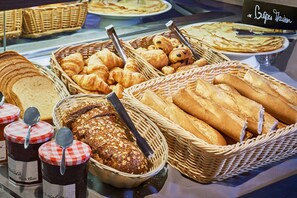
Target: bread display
point(169, 55)
point(97, 124)
point(24, 85)
point(102, 72)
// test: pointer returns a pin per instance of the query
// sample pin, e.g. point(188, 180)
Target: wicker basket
point(13, 23)
point(89, 49)
point(45, 20)
point(146, 128)
point(211, 55)
point(201, 161)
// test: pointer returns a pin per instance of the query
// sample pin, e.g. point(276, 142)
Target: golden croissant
point(92, 82)
point(95, 66)
point(110, 59)
point(131, 65)
point(72, 64)
point(127, 78)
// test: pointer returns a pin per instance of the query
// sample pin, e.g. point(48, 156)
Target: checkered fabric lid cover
point(77, 153)
point(8, 113)
point(17, 131)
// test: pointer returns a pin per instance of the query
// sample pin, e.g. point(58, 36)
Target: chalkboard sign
point(269, 15)
point(15, 4)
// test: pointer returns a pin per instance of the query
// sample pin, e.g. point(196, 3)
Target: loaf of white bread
point(24, 85)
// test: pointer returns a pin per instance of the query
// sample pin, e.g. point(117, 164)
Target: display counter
point(275, 180)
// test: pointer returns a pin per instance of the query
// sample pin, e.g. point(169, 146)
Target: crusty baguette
point(278, 90)
point(227, 88)
point(243, 107)
point(212, 134)
point(172, 112)
point(273, 105)
point(216, 116)
point(269, 123)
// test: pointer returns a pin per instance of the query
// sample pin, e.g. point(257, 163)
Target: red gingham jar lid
point(8, 113)
point(17, 131)
point(77, 153)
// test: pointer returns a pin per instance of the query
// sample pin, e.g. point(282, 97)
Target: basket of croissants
point(116, 159)
point(168, 55)
point(220, 120)
point(97, 68)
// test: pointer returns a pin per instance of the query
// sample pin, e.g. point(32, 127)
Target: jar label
point(54, 190)
point(2, 150)
point(21, 171)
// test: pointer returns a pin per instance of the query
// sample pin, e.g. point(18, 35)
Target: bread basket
point(204, 50)
point(46, 20)
point(145, 127)
point(13, 23)
point(204, 162)
point(89, 49)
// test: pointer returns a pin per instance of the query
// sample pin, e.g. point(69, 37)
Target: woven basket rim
point(61, 5)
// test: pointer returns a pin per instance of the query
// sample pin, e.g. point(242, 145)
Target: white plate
point(129, 16)
point(241, 56)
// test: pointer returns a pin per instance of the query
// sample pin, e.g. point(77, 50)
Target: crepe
point(221, 36)
point(127, 7)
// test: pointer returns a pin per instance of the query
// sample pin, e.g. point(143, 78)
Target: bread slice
point(37, 91)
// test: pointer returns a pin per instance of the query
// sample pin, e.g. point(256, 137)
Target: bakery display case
point(67, 43)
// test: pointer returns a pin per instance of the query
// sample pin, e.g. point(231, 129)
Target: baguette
point(172, 112)
point(278, 90)
point(227, 88)
point(269, 123)
point(240, 105)
point(211, 113)
point(273, 105)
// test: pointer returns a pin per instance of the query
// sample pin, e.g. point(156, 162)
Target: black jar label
point(25, 172)
point(53, 190)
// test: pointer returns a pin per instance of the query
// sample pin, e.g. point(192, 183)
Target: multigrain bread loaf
point(98, 125)
point(37, 91)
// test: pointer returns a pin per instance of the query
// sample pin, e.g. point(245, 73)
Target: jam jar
point(24, 166)
point(8, 114)
point(74, 181)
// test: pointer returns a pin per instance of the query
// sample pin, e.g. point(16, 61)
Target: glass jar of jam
point(8, 114)
point(74, 181)
point(24, 166)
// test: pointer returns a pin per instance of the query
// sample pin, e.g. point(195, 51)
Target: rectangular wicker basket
point(204, 50)
point(145, 127)
point(201, 161)
point(13, 23)
point(89, 49)
point(46, 20)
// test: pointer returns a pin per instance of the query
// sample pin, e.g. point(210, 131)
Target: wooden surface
point(15, 4)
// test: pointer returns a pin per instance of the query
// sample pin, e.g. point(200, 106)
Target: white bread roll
point(211, 113)
point(273, 105)
point(243, 107)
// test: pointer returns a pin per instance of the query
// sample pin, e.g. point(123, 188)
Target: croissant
point(110, 59)
point(118, 90)
point(127, 78)
point(110, 79)
point(180, 53)
point(91, 82)
point(168, 70)
point(163, 43)
point(72, 64)
point(131, 65)
point(152, 47)
point(95, 66)
point(156, 58)
point(84, 70)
